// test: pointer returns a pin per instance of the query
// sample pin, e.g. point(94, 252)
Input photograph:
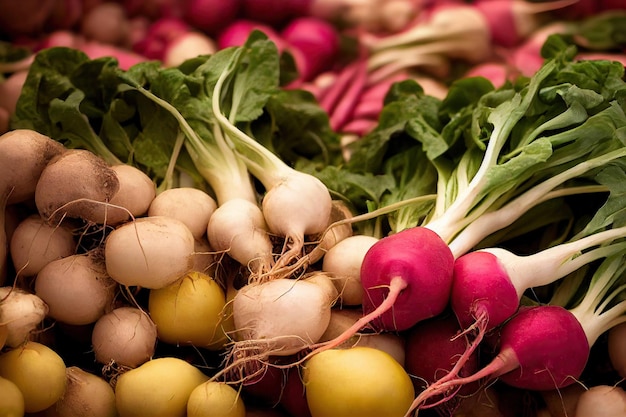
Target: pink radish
point(236, 33)
point(547, 347)
point(406, 278)
point(210, 16)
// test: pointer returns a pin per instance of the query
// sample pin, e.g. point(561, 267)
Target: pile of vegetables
point(320, 212)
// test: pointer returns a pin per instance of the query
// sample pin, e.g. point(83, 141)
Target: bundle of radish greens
point(220, 247)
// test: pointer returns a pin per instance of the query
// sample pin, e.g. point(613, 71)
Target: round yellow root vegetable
point(215, 399)
point(38, 372)
point(359, 381)
point(159, 388)
point(11, 400)
point(189, 312)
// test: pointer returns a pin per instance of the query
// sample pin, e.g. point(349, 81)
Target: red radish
point(496, 72)
point(66, 14)
point(159, 35)
point(433, 348)
point(210, 16)
point(546, 347)
point(273, 12)
point(236, 33)
point(24, 17)
point(317, 40)
point(406, 278)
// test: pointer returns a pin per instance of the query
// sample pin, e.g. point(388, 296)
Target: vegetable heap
point(200, 239)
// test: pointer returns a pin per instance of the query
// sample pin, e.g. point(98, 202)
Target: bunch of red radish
point(171, 264)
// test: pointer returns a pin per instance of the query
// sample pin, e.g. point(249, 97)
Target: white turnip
point(149, 252)
point(343, 262)
point(76, 184)
point(106, 22)
point(134, 196)
point(35, 243)
point(304, 305)
point(86, 395)
point(22, 313)
point(602, 401)
point(192, 206)
point(125, 337)
point(77, 288)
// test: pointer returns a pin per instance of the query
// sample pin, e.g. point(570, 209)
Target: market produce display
point(312, 208)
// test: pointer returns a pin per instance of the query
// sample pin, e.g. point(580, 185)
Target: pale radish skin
point(124, 337)
point(616, 346)
point(149, 252)
point(35, 243)
point(77, 288)
point(135, 194)
point(76, 184)
point(22, 313)
point(562, 402)
point(256, 308)
point(107, 23)
point(602, 401)
point(155, 36)
point(339, 228)
point(187, 46)
point(39, 373)
point(192, 206)
point(205, 257)
point(10, 90)
point(222, 399)
point(238, 228)
point(343, 262)
point(85, 394)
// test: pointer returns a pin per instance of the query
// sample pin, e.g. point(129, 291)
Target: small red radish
point(236, 33)
point(317, 40)
point(210, 16)
point(544, 347)
point(433, 349)
point(406, 278)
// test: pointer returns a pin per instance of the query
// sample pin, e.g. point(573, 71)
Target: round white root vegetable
point(38, 372)
point(150, 252)
point(135, 194)
point(189, 312)
point(76, 184)
point(77, 288)
point(238, 228)
point(126, 336)
point(282, 316)
point(4, 333)
point(159, 388)
point(24, 154)
point(21, 313)
point(359, 381)
point(36, 243)
point(215, 399)
point(602, 401)
point(616, 345)
point(191, 206)
point(335, 234)
point(85, 395)
point(204, 256)
point(11, 400)
point(343, 262)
